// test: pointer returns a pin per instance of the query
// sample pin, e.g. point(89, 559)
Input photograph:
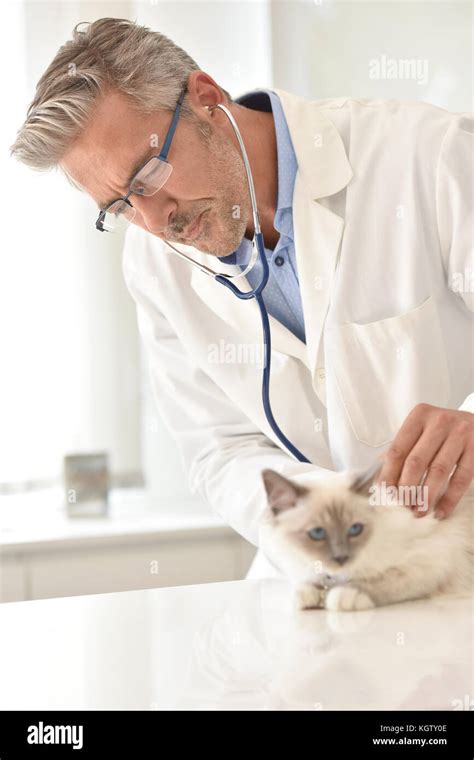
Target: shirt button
point(320, 374)
point(279, 261)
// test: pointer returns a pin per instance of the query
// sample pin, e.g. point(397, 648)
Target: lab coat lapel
point(323, 169)
point(318, 234)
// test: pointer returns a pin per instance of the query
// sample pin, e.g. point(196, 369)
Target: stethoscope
point(258, 249)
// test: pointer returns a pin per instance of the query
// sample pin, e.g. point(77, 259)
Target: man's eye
point(120, 210)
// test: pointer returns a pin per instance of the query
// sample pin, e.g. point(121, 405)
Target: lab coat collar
point(323, 165)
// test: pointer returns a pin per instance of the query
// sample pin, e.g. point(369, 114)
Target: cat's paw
point(308, 596)
point(348, 598)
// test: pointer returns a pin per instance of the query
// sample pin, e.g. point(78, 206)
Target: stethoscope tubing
point(257, 293)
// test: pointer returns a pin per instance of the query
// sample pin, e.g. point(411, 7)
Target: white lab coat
point(382, 213)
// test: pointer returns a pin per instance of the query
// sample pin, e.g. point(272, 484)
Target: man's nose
point(154, 211)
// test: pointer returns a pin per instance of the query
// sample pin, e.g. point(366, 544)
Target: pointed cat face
point(330, 522)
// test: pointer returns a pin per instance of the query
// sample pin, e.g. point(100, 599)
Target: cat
point(341, 552)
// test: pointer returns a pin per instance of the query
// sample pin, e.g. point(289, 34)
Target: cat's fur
point(398, 556)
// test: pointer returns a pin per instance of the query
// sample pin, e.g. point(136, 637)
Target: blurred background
point(74, 377)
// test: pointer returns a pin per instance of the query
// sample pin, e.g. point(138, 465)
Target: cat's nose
point(341, 558)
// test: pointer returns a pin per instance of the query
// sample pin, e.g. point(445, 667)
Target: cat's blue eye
point(317, 534)
point(355, 529)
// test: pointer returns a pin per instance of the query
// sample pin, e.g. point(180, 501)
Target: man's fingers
point(400, 447)
point(422, 454)
point(458, 485)
point(441, 467)
point(435, 444)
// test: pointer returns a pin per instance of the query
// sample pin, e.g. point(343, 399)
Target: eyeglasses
point(150, 178)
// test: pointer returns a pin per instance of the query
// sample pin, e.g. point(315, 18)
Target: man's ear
point(362, 480)
point(282, 494)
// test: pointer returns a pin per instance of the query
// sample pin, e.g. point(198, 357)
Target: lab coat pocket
point(383, 369)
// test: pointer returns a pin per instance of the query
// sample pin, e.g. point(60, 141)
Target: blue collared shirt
point(282, 292)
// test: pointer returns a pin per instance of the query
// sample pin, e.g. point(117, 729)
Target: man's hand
point(435, 441)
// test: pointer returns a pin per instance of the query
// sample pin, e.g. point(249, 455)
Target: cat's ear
point(362, 480)
point(282, 493)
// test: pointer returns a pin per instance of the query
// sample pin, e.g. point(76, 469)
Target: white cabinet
point(12, 579)
point(45, 554)
point(128, 567)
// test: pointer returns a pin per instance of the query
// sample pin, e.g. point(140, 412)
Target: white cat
point(342, 553)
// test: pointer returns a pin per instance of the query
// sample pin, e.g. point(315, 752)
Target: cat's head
point(328, 522)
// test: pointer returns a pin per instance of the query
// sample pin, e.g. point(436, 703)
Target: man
point(366, 214)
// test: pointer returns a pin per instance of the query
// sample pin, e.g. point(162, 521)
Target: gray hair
point(110, 54)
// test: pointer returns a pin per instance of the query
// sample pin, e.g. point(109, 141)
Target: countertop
point(38, 522)
point(238, 645)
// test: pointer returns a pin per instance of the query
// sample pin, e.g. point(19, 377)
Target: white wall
point(323, 48)
point(69, 343)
